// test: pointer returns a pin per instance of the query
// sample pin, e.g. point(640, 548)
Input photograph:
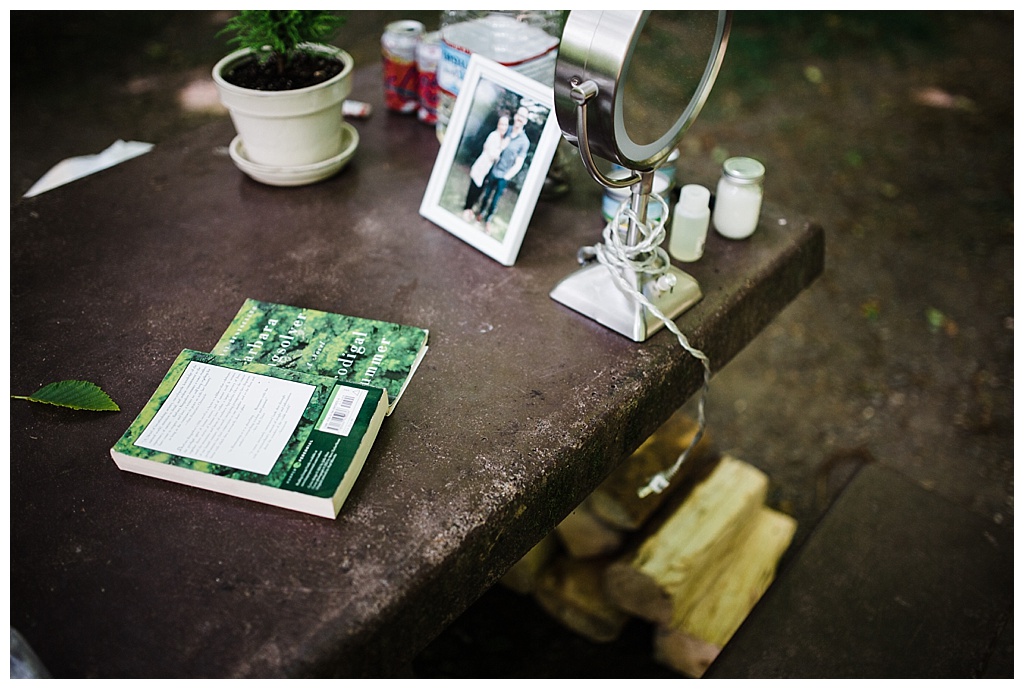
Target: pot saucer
point(297, 175)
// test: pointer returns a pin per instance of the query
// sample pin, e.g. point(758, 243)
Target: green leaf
point(936, 319)
point(74, 394)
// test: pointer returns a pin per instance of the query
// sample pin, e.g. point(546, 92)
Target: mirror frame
point(597, 46)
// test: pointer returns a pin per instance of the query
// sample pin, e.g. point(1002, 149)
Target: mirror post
point(594, 58)
point(638, 203)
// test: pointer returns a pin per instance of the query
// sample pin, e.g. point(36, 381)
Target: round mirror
point(645, 76)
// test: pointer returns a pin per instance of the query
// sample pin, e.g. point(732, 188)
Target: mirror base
point(592, 292)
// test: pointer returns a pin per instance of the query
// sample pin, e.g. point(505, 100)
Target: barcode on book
point(343, 410)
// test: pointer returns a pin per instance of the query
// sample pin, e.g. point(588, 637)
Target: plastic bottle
point(738, 197)
point(525, 40)
point(690, 223)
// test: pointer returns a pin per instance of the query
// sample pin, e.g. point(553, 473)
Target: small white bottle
point(738, 198)
point(690, 223)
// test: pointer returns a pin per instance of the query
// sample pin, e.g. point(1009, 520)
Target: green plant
point(277, 35)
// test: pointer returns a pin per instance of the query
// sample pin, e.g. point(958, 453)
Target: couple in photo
point(504, 152)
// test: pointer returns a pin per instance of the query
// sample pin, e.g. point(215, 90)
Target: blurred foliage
point(773, 34)
point(762, 42)
point(57, 46)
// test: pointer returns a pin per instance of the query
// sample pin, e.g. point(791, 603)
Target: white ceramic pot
point(288, 128)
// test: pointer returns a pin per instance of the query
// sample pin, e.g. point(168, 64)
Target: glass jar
point(524, 40)
point(613, 198)
point(738, 198)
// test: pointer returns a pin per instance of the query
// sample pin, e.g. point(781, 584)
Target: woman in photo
point(492, 148)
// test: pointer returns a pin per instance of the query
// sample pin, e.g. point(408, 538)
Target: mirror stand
point(592, 292)
point(608, 291)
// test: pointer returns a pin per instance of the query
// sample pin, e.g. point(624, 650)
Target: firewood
point(695, 637)
point(616, 501)
point(572, 592)
point(693, 541)
point(683, 653)
point(522, 576)
point(584, 535)
point(728, 598)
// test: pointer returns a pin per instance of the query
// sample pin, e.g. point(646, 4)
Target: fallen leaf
point(933, 97)
point(871, 310)
point(74, 394)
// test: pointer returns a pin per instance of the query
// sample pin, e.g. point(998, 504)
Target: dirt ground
point(893, 130)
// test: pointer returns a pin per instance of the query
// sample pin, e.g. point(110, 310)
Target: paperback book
point(275, 435)
point(349, 348)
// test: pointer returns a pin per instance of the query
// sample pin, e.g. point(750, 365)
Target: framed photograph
point(496, 152)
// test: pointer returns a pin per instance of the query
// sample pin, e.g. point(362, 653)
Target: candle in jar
point(738, 198)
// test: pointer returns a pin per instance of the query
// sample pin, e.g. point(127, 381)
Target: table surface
point(519, 410)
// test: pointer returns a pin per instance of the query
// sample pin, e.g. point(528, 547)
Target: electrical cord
point(647, 257)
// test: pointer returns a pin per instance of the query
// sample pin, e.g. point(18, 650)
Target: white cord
point(647, 257)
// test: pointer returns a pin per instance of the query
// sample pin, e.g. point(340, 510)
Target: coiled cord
point(647, 257)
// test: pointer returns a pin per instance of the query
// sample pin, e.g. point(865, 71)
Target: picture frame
point(485, 182)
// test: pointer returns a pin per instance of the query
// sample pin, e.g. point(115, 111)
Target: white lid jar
point(615, 197)
point(738, 198)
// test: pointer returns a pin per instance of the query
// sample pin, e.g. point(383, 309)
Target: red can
point(401, 77)
point(428, 54)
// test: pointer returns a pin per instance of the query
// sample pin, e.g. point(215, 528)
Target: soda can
point(428, 54)
point(401, 77)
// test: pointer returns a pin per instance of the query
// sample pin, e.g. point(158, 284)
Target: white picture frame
point(499, 208)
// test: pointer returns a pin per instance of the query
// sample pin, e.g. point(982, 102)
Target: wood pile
point(692, 560)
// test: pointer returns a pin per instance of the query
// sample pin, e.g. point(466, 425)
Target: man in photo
point(505, 168)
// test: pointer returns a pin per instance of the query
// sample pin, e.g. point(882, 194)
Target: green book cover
point(265, 433)
point(349, 348)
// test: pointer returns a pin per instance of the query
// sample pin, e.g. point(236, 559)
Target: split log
point(683, 653)
point(696, 635)
point(522, 576)
point(584, 535)
point(695, 540)
point(728, 598)
point(616, 502)
point(572, 592)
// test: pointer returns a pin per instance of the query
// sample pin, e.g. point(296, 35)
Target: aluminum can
point(401, 77)
point(428, 54)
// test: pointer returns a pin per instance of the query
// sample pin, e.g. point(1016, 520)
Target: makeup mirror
point(628, 84)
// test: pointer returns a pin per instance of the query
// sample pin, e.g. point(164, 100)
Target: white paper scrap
point(82, 166)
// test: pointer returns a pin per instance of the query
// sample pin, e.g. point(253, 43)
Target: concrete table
point(519, 410)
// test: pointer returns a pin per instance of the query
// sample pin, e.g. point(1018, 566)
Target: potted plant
point(284, 89)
